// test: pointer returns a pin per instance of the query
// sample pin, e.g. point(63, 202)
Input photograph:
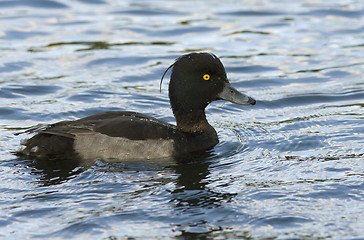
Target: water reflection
point(190, 197)
point(49, 172)
point(193, 201)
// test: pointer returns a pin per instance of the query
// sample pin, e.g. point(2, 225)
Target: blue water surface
point(290, 167)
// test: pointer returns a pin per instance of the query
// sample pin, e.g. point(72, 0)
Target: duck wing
point(131, 125)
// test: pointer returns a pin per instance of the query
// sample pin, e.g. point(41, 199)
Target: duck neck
point(192, 121)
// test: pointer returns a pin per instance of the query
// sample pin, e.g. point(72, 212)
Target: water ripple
point(34, 4)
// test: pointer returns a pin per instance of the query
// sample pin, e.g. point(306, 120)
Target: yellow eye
point(206, 77)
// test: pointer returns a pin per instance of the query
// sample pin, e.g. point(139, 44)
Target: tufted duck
point(196, 80)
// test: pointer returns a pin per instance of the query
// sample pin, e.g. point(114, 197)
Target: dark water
point(290, 167)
